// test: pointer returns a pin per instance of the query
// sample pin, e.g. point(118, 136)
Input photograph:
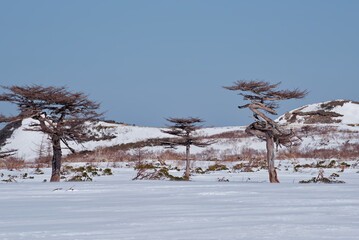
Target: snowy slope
point(341, 116)
point(330, 112)
point(28, 143)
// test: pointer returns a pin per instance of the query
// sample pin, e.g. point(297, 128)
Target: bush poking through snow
point(10, 179)
point(323, 164)
point(151, 171)
point(38, 171)
point(84, 173)
point(242, 167)
point(217, 167)
point(321, 179)
point(223, 179)
point(199, 170)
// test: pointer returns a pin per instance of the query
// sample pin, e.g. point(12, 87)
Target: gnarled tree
point(59, 113)
point(184, 131)
point(263, 97)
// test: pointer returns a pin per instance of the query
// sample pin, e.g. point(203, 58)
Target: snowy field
point(246, 207)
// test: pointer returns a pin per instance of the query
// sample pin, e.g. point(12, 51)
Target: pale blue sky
point(148, 60)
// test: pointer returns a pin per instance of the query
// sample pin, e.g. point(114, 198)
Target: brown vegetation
point(12, 163)
point(348, 151)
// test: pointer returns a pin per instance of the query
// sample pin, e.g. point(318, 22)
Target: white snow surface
point(247, 207)
point(349, 110)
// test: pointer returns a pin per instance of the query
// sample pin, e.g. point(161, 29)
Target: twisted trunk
point(187, 174)
point(56, 159)
point(270, 158)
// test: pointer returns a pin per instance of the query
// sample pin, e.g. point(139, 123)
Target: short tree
point(263, 96)
point(59, 113)
point(184, 131)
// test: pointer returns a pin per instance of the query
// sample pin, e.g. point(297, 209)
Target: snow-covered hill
point(331, 112)
point(30, 144)
point(331, 124)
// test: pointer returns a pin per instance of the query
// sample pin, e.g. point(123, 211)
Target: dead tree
point(184, 131)
point(263, 96)
point(62, 115)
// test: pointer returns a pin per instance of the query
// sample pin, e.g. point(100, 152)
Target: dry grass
point(12, 163)
point(100, 155)
point(348, 151)
point(230, 134)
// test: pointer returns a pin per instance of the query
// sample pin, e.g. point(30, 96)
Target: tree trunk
point(187, 174)
point(56, 159)
point(270, 158)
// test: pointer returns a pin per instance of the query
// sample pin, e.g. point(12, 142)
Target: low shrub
point(153, 171)
point(217, 167)
point(223, 179)
point(243, 167)
point(199, 170)
point(321, 179)
point(83, 173)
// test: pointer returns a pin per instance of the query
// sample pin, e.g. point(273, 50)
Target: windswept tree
point(184, 132)
point(62, 115)
point(263, 98)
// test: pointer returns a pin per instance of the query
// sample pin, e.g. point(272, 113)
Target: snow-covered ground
point(246, 207)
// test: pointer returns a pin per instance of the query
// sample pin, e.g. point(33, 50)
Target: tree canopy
point(60, 113)
point(263, 97)
point(184, 131)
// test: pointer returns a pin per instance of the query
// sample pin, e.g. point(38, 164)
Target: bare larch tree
point(184, 130)
point(60, 114)
point(263, 96)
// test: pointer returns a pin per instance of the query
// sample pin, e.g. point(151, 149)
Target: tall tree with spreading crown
point(62, 115)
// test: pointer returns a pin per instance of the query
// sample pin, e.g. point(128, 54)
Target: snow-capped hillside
point(341, 116)
point(29, 143)
point(331, 112)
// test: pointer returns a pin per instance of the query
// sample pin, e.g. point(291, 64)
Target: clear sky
point(148, 60)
